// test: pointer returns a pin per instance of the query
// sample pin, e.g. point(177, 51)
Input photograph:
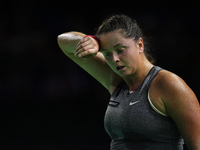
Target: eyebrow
point(113, 47)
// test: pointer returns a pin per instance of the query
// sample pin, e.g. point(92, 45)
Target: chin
point(123, 74)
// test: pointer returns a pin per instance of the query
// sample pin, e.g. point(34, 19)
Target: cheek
point(133, 54)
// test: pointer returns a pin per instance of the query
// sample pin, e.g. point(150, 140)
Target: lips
point(120, 67)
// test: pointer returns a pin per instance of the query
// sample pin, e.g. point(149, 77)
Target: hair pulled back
point(127, 26)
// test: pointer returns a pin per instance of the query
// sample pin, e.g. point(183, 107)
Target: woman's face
point(122, 54)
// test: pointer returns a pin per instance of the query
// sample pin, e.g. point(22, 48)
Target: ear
point(140, 45)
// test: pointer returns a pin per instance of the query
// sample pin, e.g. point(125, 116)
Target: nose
point(115, 57)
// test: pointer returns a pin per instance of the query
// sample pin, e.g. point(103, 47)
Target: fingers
point(82, 43)
point(78, 49)
point(86, 53)
point(82, 49)
point(87, 46)
point(82, 53)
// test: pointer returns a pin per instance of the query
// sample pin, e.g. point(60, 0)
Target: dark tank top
point(132, 123)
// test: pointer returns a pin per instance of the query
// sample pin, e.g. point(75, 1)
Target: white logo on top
point(132, 103)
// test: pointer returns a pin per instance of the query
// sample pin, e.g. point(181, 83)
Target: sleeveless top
point(133, 124)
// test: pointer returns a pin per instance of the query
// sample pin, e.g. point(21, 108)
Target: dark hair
point(129, 28)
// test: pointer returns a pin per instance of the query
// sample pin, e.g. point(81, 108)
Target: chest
point(133, 118)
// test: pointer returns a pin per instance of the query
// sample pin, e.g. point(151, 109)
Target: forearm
point(68, 41)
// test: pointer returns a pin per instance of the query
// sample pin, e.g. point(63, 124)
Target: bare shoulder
point(173, 91)
point(165, 76)
point(161, 85)
point(168, 91)
point(171, 86)
point(181, 105)
point(167, 81)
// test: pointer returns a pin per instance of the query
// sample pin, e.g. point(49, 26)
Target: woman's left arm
point(183, 107)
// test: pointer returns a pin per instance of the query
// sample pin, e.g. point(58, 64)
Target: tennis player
point(150, 108)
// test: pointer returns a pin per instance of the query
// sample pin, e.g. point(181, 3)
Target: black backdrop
point(50, 103)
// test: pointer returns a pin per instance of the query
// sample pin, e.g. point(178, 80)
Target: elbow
point(68, 41)
point(60, 39)
point(69, 36)
point(64, 40)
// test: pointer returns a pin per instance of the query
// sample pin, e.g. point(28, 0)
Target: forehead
point(110, 39)
point(113, 35)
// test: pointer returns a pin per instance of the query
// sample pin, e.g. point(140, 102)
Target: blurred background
point(50, 103)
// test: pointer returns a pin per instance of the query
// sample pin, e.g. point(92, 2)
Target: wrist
point(94, 37)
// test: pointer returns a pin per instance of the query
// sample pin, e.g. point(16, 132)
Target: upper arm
point(183, 107)
point(96, 66)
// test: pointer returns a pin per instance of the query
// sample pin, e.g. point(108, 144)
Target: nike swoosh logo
point(132, 103)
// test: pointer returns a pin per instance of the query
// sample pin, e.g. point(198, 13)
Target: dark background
point(50, 103)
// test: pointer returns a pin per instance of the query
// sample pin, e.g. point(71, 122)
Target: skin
point(122, 52)
point(123, 58)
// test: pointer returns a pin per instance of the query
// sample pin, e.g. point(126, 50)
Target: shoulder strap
point(114, 99)
point(149, 78)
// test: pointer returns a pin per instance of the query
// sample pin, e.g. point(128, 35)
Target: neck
point(138, 77)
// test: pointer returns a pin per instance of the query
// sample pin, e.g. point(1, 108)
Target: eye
point(120, 50)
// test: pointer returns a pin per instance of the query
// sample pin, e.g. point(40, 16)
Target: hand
point(88, 47)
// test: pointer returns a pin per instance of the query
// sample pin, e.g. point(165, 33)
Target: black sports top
point(132, 123)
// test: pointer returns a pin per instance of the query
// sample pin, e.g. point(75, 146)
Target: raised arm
point(79, 49)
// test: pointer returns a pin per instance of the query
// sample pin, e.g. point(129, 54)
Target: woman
point(150, 108)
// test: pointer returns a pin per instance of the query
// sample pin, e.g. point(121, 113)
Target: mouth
point(119, 68)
